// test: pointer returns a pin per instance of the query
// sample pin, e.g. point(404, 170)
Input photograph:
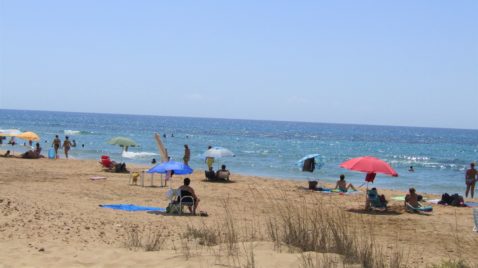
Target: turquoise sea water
point(266, 148)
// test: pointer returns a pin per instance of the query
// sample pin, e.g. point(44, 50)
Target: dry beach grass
point(50, 218)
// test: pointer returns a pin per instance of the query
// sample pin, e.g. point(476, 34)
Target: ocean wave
point(76, 132)
point(137, 154)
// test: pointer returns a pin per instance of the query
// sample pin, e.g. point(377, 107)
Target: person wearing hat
point(470, 180)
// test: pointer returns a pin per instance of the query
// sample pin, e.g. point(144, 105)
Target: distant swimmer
point(73, 143)
point(411, 169)
point(82, 145)
point(164, 135)
point(153, 161)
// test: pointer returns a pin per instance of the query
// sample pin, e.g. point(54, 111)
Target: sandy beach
point(51, 218)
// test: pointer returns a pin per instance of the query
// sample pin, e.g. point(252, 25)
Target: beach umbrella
point(218, 152)
point(9, 132)
point(29, 136)
point(179, 168)
point(122, 141)
point(370, 165)
point(310, 162)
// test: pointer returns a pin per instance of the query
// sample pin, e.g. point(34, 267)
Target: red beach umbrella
point(370, 165)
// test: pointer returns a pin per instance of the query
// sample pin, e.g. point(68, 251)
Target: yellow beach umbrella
point(29, 136)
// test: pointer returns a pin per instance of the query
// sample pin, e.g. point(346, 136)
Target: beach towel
point(475, 216)
point(421, 208)
point(471, 204)
point(398, 198)
point(95, 178)
point(131, 207)
point(468, 204)
point(342, 192)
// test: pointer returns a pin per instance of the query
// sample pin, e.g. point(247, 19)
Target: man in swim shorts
point(470, 180)
point(56, 145)
point(342, 184)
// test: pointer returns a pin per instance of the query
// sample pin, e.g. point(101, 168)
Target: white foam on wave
point(71, 132)
point(137, 154)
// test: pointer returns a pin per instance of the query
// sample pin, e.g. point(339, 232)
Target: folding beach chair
point(374, 202)
point(178, 200)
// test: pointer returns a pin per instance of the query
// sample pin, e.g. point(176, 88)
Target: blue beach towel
point(131, 207)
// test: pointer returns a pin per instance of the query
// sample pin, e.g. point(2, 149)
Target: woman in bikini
point(66, 146)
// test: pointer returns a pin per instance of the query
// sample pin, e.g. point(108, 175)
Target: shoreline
point(304, 181)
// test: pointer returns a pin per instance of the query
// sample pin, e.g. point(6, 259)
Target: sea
point(271, 149)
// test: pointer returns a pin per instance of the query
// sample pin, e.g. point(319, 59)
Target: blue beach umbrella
point(317, 158)
point(178, 168)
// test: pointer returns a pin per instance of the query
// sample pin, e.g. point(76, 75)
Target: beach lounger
point(419, 209)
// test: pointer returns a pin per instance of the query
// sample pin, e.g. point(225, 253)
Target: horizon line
point(245, 119)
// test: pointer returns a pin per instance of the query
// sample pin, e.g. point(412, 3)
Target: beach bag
point(457, 200)
point(445, 199)
point(313, 185)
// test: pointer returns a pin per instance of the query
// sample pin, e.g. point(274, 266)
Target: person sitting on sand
point(33, 154)
point(342, 184)
point(223, 173)
point(187, 190)
point(412, 198)
point(7, 154)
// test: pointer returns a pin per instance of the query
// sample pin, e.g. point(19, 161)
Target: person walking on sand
point(209, 160)
point(187, 154)
point(66, 146)
point(470, 180)
point(56, 145)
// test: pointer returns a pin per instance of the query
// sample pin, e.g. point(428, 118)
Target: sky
point(406, 63)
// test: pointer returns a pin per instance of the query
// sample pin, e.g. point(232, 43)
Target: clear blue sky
point(409, 63)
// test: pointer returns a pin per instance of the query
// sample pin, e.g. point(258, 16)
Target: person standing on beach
point(187, 154)
point(56, 145)
point(470, 180)
point(66, 146)
point(209, 160)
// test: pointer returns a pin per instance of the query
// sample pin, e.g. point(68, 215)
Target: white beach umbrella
point(218, 152)
point(9, 132)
